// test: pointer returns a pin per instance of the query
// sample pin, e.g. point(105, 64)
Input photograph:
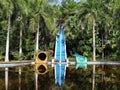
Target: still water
point(26, 78)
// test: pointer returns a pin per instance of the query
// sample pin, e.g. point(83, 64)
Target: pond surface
point(26, 78)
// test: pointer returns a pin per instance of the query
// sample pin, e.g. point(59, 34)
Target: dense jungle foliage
point(88, 24)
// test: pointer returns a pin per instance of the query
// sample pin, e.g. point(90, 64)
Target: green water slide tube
point(81, 61)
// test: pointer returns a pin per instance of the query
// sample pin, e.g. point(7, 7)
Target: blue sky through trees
point(58, 2)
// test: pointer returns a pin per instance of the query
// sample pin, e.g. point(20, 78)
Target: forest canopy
point(92, 28)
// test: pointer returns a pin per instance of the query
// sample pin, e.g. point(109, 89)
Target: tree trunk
point(94, 56)
point(7, 41)
point(94, 47)
point(37, 39)
point(103, 48)
point(20, 45)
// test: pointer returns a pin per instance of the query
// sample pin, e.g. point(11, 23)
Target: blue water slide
point(60, 47)
point(60, 56)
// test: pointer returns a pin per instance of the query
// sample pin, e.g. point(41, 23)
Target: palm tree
point(7, 10)
point(22, 13)
point(38, 17)
point(88, 14)
point(7, 41)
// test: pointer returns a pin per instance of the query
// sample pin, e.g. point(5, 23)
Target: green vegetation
point(91, 28)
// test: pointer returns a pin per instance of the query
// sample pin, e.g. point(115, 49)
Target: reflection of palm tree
point(36, 81)
point(20, 72)
point(6, 78)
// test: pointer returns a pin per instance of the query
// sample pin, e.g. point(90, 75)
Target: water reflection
point(36, 81)
point(60, 72)
point(19, 77)
point(93, 81)
point(41, 68)
point(6, 78)
point(25, 78)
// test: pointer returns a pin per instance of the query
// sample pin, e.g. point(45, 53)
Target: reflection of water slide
point(60, 70)
point(60, 56)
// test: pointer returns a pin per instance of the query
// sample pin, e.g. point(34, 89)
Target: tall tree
point(89, 12)
point(7, 7)
point(40, 16)
point(22, 8)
